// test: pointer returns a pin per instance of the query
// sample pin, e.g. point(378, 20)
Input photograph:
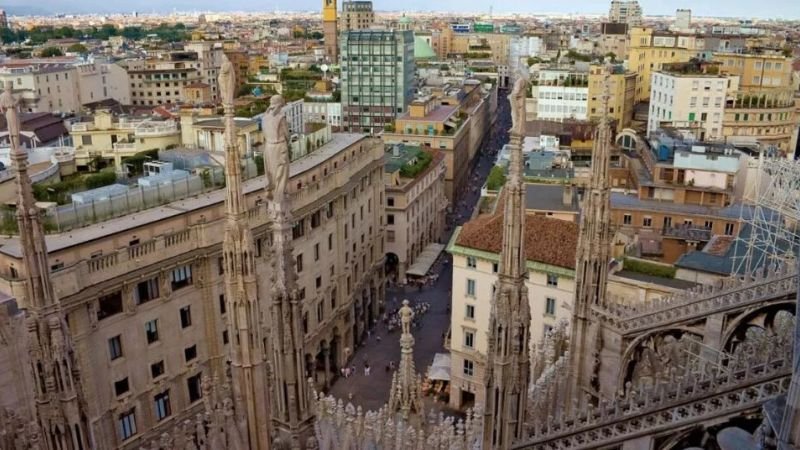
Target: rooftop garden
point(649, 268)
point(417, 165)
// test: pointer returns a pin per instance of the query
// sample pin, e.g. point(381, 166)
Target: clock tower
point(329, 27)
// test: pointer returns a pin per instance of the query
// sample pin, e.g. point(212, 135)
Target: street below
point(382, 347)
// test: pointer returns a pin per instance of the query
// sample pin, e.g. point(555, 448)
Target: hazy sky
point(731, 8)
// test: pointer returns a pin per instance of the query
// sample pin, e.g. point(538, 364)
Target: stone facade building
point(144, 300)
point(415, 205)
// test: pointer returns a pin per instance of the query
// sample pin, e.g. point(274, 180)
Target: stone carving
point(227, 82)
point(517, 99)
point(8, 106)
point(405, 395)
point(341, 426)
point(276, 155)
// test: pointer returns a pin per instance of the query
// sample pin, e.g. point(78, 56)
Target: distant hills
point(25, 10)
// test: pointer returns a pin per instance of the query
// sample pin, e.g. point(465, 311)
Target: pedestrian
point(353, 370)
point(378, 338)
point(366, 369)
point(342, 372)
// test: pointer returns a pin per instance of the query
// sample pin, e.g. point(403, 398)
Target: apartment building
point(690, 96)
point(114, 138)
point(622, 90)
point(648, 51)
point(44, 87)
point(625, 11)
point(377, 78)
point(324, 112)
point(558, 94)
point(757, 70)
point(356, 15)
point(453, 125)
point(211, 55)
point(550, 246)
point(143, 294)
point(768, 116)
point(415, 205)
point(102, 80)
point(613, 39)
point(161, 81)
point(682, 170)
point(208, 133)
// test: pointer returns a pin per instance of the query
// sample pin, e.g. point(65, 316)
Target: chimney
point(567, 195)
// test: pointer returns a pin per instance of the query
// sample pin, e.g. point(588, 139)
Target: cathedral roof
point(547, 240)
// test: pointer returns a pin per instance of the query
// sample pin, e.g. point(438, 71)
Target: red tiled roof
point(547, 240)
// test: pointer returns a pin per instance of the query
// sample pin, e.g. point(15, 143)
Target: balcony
point(153, 130)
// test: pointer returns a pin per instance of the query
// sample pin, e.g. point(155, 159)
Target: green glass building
point(377, 78)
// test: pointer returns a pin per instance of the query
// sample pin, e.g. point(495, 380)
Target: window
point(469, 368)
point(330, 241)
point(193, 385)
point(162, 405)
point(224, 337)
point(495, 267)
point(647, 222)
point(691, 116)
point(86, 139)
point(469, 339)
point(115, 347)
point(552, 280)
point(729, 229)
point(190, 353)
point(151, 331)
point(222, 306)
point(316, 252)
point(181, 277)
point(667, 222)
point(469, 312)
point(627, 219)
point(470, 288)
point(109, 305)
point(315, 219)
point(121, 386)
point(389, 201)
point(146, 290)
point(299, 263)
point(298, 229)
point(708, 224)
point(220, 265)
point(157, 369)
point(550, 306)
point(127, 424)
point(186, 316)
point(390, 236)
point(390, 219)
point(471, 263)
point(687, 222)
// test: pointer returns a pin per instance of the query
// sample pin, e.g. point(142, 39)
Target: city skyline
point(783, 9)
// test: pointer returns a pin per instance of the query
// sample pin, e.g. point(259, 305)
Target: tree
point(50, 52)
point(77, 48)
point(496, 178)
point(611, 56)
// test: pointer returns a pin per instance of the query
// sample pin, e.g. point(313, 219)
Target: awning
point(425, 260)
point(440, 369)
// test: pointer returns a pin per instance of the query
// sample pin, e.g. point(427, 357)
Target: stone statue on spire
point(227, 82)
point(276, 154)
point(517, 99)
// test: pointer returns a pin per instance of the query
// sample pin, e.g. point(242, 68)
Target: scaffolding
point(769, 232)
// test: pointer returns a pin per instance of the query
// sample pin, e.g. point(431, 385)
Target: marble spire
point(405, 396)
point(248, 357)
point(593, 257)
point(292, 412)
point(59, 404)
point(508, 363)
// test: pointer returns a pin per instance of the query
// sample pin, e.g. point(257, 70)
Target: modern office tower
point(357, 15)
point(625, 12)
point(377, 78)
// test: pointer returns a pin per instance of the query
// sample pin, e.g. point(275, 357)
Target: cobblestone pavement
point(371, 391)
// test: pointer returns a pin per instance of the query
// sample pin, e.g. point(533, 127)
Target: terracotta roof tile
point(547, 240)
